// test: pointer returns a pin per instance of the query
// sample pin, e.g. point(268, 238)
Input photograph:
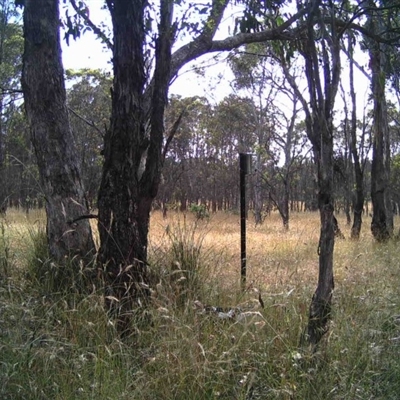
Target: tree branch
point(172, 132)
point(5, 90)
point(200, 46)
point(360, 67)
point(89, 22)
point(90, 123)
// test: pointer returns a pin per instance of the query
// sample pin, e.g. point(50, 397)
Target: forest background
point(308, 154)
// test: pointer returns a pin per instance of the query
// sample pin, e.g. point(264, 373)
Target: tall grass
point(64, 346)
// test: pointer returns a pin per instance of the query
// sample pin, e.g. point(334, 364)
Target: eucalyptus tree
point(174, 185)
point(344, 177)
point(200, 160)
point(358, 203)
point(320, 51)
point(321, 45)
point(383, 25)
point(292, 150)
point(382, 223)
point(322, 89)
point(51, 135)
point(358, 137)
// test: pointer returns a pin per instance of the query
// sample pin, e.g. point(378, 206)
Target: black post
point(245, 168)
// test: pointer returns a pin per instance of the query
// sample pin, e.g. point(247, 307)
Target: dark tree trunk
point(319, 117)
point(281, 202)
point(257, 192)
point(358, 203)
point(320, 307)
point(285, 203)
point(214, 196)
point(4, 189)
point(347, 211)
point(45, 103)
point(132, 155)
point(379, 180)
point(164, 208)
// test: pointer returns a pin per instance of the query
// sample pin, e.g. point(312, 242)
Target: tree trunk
point(358, 202)
point(320, 307)
point(347, 211)
point(51, 136)
point(284, 207)
point(320, 132)
point(387, 157)
point(257, 189)
point(281, 202)
point(4, 189)
point(379, 181)
point(132, 156)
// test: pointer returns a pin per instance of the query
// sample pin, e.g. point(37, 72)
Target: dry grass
point(64, 346)
point(276, 260)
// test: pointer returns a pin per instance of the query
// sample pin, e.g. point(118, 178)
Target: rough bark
point(319, 122)
point(132, 156)
point(320, 307)
point(51, 136)
point(379, 178)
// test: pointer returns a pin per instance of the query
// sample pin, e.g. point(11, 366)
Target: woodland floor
point(62, 345)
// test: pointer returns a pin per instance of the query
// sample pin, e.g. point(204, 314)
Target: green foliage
point(200, 211)
point(74, 25)
point(259, 15)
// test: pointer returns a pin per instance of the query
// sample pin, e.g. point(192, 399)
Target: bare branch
point(5, 90)
point(360, 67)
point(172, 132)
point(86, 121)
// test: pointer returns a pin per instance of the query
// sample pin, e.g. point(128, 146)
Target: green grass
point(60, 344)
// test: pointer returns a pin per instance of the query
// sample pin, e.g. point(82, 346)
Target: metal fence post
point(245, 168)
